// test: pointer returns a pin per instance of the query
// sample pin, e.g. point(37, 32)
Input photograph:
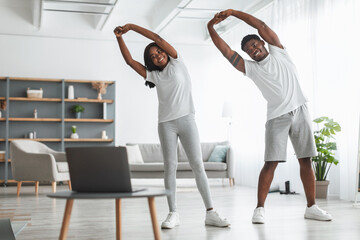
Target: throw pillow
point(219, 153)
point(134, 154)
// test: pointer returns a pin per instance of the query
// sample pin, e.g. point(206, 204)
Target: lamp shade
point(227, 110)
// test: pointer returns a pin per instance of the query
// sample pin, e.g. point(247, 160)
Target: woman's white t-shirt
point(277, 79)
point(173, 85)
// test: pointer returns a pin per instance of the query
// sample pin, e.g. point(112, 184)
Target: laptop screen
point(99, 169)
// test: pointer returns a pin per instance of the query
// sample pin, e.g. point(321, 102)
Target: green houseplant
point(326, 147)
point(77, 109)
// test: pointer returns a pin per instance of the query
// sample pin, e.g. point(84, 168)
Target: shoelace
point(169, 217)
point(320, 210)
point(258, 213)
point(217, 214)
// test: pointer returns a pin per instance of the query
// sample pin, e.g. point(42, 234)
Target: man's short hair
point(248, 38)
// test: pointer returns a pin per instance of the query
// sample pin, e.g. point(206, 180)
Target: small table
point(150, 194)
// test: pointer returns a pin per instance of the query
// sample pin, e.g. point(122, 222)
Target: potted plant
point(77, 109)
point(74, 134)
point(326, 147)
point(100, 87)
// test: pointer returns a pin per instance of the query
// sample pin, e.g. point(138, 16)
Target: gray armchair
point(33, 161)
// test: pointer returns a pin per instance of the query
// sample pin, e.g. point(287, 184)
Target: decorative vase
point(74, 136)
point(71, 92)
point(99, 97)
point(78, 115)
point(103, 135)
point(322, 189)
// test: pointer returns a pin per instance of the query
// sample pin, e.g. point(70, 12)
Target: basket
point(34, 93)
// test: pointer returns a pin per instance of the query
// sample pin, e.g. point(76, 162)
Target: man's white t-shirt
point(173, 85)
point(277, 79)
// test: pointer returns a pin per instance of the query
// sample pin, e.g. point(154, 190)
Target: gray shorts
point(295, 124)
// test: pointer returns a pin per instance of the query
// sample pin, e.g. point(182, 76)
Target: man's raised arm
point(234, 58)
point(264, 31)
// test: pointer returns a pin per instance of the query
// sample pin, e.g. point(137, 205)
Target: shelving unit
point(54, 121)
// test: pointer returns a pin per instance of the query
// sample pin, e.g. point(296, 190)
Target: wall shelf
point(35, 119)
point(88, 140)
point(86, 81)
point(54, 80)
point(35, 99)
point(59, 140)
point(88, 120)
point(90, 100)
point(54, 121)
point(35, 79)
point(3, 160)
point(38, 139)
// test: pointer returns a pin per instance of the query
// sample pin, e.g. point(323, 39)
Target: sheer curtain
point(322, 39)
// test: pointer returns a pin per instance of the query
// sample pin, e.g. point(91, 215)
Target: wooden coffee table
point(150, 194)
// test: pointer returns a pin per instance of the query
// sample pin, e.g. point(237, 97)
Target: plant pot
point(322, 189)
point(74, 136)
point(78, 115)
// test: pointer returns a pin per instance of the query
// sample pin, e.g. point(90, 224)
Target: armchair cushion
point(62, 167)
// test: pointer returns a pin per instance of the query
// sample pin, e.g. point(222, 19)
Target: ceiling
point(181, 21)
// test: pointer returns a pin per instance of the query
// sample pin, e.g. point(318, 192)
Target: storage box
point(34, 93)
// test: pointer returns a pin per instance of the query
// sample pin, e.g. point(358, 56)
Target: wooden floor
point(95, 219)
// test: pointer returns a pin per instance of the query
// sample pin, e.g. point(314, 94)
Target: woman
point(165, 69)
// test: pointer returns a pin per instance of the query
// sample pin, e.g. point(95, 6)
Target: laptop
point(99, 169)
point(6, 230)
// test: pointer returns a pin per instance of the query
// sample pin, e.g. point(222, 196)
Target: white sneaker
point(316, 213)
point(259, 216)
point(213, 219)
point(171, 221)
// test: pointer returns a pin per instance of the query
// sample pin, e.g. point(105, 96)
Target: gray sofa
point(153, 166)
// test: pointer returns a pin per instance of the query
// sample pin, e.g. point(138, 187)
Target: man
point(275, 75)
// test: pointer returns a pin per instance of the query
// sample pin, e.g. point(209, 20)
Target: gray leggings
point(185, 128)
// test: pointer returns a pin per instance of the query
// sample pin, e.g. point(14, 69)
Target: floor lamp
point(227, 115)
